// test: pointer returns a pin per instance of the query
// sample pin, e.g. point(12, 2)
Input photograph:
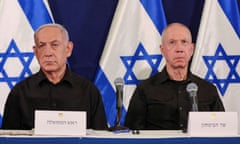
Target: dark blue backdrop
point(88, 22)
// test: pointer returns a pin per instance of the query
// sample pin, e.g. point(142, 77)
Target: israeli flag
point(217, 53)
point(132, 51)
point(18, 21)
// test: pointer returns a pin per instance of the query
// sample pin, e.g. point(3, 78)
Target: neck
point(55, 77)
point(177, 74)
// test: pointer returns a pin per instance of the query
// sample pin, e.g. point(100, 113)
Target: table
point(104, 137)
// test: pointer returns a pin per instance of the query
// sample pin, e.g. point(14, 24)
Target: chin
point(49, 68)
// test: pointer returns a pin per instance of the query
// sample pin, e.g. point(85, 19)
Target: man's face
point(52, 49)
point(177, 47)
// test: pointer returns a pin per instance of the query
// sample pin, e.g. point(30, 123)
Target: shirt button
point(180, 108)
point(54, 104)
point(181, 125)
point(179, 91)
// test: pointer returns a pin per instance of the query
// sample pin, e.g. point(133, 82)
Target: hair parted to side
point(61, 27)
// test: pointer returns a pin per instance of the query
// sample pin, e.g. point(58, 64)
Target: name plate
point(72, 123)
point(213, 124)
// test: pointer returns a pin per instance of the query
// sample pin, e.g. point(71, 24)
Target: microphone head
point(192, 87)
point(119, 81)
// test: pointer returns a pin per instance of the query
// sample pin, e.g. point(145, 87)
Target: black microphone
point(192, 89)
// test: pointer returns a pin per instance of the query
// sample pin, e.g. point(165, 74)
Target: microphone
point(192, 89)
point(119, 84)
point(119, 92)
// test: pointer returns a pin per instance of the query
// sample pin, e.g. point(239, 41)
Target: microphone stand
point(119, 103)
point(117, 126)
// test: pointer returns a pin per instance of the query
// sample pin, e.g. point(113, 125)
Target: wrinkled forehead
point(48, 35)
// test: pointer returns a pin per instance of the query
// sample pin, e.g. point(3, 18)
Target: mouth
point(179, 58)
point(48, 62)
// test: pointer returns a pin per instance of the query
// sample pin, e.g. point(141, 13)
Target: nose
point(48, 51)
point(179, 47)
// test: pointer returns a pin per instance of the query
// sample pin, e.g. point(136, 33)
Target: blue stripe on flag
point(108, 97)
point(232, 11)
point(155, 10)
point(36, 12)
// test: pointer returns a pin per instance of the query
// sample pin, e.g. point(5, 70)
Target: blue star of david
point(233, 75)
point(140, 54)
point(24, 57)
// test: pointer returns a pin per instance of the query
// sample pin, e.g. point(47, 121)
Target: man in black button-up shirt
point(54, 87)
point(162, 102)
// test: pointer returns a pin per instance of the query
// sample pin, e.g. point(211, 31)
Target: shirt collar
point(67, 78)
point(163, 77)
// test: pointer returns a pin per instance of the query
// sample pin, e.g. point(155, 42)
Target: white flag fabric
point(217, 53)
point(131, 52)
point(18, 21)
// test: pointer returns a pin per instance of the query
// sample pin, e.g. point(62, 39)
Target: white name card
point(213, 124)
point(71, 123)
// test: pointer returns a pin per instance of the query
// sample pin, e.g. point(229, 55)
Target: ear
point(192, 48)
point(34, 49)
point(161, 49)
point(69, 48)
